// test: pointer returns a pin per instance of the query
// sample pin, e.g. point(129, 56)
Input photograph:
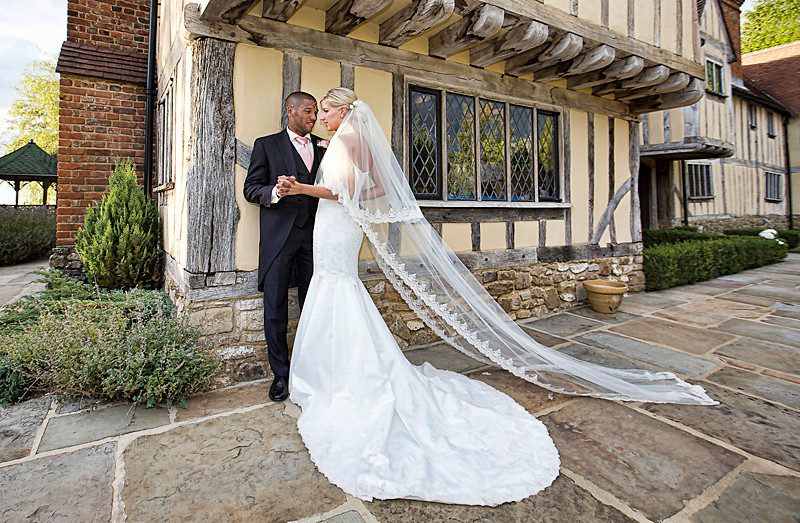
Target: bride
point(376, 425)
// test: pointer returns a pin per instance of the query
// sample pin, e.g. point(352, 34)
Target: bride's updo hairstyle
point(341, 97)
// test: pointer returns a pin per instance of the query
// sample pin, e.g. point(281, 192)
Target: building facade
point(721, 162)
point(517, 123)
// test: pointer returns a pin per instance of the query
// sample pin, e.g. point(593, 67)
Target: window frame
point(695, 189)
point(776, 185)
point(752, 116)
point(717, 67)
point(443, 201)
point(442, 188)
point(771, 132)
point(165, 143)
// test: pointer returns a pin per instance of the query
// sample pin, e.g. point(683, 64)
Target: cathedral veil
point(361, 169)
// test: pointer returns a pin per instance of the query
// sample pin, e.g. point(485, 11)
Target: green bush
point(790, 236)
point(77, 340)
point(671, 265)
point(26, 233)
point(653, 237)
point(120, 241)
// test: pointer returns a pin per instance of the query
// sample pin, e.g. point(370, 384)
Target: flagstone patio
point(233, 455)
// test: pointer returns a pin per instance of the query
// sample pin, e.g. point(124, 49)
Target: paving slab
point(726, 308)
point(744, 277)
point(242, 467)
point(783, 322)
point(94, 425)
point(351, 516)
point(774, 292)
point(530, 396)
point(671, 360)
point(564, 324)
point(644, 462)
point(690, 317)
point(226, 400)
point(653, 300)
point(563, 501)
point(748, 298)
point(443, 356)
point(604, 357)
point(787, 311)
point(543, 338)
point(766, 387)
point(755, 497)
point(683, 337)
point(761, 331)
point(18, 426)
point(615, 318)
point(70, 487)
point(753, 425)
point(775, 356)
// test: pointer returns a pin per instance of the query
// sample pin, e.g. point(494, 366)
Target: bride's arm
point(315, 191)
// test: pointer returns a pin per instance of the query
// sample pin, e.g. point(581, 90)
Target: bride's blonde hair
point(341, 97)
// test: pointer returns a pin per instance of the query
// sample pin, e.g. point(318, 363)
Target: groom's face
point(302, 116)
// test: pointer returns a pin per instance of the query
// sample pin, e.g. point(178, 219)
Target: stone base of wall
point(65, 259)
point(233, 326)
point(717, 225)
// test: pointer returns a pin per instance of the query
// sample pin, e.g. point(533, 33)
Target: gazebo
point(30, 163)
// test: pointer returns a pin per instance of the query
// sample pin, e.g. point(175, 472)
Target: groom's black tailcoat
point(285, 239)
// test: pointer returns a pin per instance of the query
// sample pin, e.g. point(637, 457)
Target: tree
point(771, 23)
point(34, 111)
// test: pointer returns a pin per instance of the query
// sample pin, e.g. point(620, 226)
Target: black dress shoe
point(279, 390)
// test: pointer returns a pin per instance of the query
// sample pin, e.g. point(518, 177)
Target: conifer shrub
point(120, 241)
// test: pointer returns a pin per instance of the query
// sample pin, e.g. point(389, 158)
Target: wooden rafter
point(619, 70)
point(483, 23)
point(224, 10)
point(280, 10)
point(417, 17)
point(563, 47)
point(651, 76)
point(345, 15)
point(524, 36)
point(589, 60)
point(687, 96)
point(675, 82)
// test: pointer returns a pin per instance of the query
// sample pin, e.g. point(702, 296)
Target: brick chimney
point(732, 15)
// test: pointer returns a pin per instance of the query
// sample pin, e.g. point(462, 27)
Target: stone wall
point(234, 326)
point(717, 225)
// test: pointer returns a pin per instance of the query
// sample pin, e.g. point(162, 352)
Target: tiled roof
point(102, 62)
point(30, 159)
point(775, 71)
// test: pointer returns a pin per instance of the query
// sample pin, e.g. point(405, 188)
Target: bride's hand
point(295, 188)
point(284, 184)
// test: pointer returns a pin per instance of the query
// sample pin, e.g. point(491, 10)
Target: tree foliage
point(771, 23)
point(34, 111)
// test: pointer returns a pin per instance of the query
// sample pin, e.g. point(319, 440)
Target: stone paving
point(16, 280)
point(233, 455)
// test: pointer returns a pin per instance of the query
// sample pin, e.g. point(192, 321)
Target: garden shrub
point(671, 265)
point(26, 233)
point(653, 237)
point(79, 340)
point(120, 241)
point(790, 236)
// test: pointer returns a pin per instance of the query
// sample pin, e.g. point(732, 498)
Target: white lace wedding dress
point(378, 426)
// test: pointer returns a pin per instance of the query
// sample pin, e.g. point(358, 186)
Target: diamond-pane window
point(424, 149)
point(493, 150)
point(520, 123)
point(547, 132)
point(460, 122)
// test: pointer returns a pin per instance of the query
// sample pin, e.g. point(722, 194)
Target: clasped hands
point(287, 186)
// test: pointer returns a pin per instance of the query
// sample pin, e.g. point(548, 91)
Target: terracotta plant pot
point(605, 296)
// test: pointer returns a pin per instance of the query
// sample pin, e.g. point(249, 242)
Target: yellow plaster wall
point(601, 164)
point(669, 21)
point(622, 216)
point(318, 77)
point(618, 16)
point(590, 10)
point(375, 88)
point(493, 236)
point(688, 33)
point(644, 20)
point(579, 163)
point(559, 4)
point(526, 234)
point(309, 17)
point(556, 233)
point(458, 236)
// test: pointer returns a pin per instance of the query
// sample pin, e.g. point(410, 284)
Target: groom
point(286, 223)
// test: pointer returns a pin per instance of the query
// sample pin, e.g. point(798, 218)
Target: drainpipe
point(684, 194)
point(150, 93)
point(788, 170)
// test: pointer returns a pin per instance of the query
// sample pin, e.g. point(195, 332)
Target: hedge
point(790, 236)
point(26, 233)
point(671, 265)
point(653, 237)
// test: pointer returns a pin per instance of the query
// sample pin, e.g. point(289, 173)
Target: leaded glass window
point(460, 123)
point(493, 150)
point(700, 183)
point(424, 147)
point(714, 78)
point(774, 190)
point(547, 152)
point(520, 123)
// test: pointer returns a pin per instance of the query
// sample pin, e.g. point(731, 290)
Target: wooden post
point(16, 193)
point(212, 210)
point(636, 217)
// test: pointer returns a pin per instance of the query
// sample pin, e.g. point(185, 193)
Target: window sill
point(493, 205)
point(772, 135)
point(718, 95)
point(695, 198)
point(773, 200)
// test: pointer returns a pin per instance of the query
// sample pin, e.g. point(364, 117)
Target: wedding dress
point(376, 425)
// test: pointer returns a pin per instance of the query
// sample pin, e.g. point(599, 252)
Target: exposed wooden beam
point(483, 23)
point(417, 17)
point(619, 70)
point(224, 10)
point(675, 82)
point(345, 15)
point(280, 10)
point(650, 76)
point(689, 95)
point(564, 47)
point(589, 60)
point(522, 37)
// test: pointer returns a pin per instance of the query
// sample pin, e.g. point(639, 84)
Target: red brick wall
point(99, 122)
point(118, 24)
point(731, 13)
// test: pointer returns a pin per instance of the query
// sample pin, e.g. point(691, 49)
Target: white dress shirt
point(299, 147)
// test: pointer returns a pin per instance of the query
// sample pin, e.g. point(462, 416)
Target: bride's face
point(332, 116)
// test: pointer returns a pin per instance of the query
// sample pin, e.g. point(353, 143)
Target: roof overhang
point(691, 149)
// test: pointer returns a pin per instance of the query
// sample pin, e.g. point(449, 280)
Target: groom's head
point(301, 112)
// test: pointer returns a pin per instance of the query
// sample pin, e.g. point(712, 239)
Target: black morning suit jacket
point(275, 156)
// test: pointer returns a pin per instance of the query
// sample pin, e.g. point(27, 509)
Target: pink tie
point(305, 151)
